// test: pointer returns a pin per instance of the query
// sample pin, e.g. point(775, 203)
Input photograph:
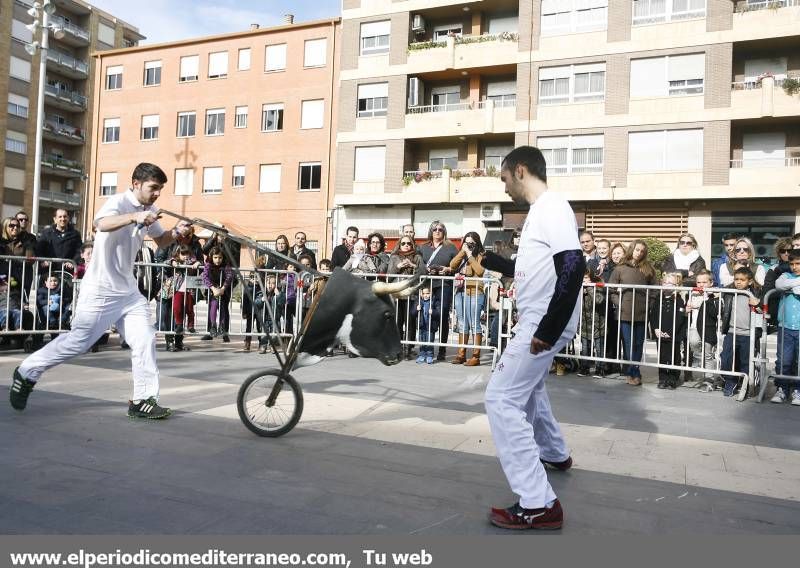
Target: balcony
point(468, 185)
point(765, 96)
point(74, 35)
point(462, 52)
point(769, 19)
point(63, 133)
point(783, 175)
point(744, 6)
point(64, 98)
point(59, 198)
point(491, 115)
point(62, 167)
point(67, 65)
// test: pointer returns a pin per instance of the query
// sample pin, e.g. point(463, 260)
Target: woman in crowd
point(376, 248)
point(367, 262)
point(685, 259)
point(469, 297)
point(282, 247)
point(743, 257)
point(406, 261)
point(783, 247)
point(437, 254)
point(632, 305)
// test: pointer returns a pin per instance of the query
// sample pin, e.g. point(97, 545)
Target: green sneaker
point(148, 409)
point(20, 390)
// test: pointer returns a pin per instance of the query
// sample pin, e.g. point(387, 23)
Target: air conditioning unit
point(491, 212)
point(416, 92)
point(418, 24)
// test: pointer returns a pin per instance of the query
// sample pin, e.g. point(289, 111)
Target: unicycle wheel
point(270, 405)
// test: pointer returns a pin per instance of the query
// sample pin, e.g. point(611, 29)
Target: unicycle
point(270, 403)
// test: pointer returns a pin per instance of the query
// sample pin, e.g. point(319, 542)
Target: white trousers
point(95, 314)
point(522, 422)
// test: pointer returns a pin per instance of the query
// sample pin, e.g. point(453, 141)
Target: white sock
point(550, 504)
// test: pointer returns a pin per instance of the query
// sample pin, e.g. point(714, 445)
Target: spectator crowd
point(458, 296)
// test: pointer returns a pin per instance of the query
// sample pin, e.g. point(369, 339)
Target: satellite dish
point(58, 32)
point(49, 8)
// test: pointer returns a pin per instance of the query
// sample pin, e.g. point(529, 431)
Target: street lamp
point(43, 11)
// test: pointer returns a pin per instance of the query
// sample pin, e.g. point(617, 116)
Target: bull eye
point(387, 315)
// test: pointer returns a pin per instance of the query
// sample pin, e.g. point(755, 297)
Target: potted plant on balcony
point(791, 86)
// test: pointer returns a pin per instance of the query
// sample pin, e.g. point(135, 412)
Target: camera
point(470, 246)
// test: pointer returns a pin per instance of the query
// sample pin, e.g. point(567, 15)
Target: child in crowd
point(276, 299)
point(181, 296)
point(289, 285)
point(86, 256)
point(218, 278)
point(428, 322)
point(310, 292)
point(737, 315)
point(325, 266)
point(593, 324)
point(703, 315)
point(788, 332)
point(668, 318)
point(10, 309)
point(53, 303)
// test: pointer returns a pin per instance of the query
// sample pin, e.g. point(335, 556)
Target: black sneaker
point(20, 390)
point(560, 466)
point(225, 338)
point(517, 518)
point(148, 409)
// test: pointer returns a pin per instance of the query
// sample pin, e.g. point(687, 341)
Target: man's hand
point(145, 218)
point(539, 346)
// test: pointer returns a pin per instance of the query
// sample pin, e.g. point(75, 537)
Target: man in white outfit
point(109, 294)
point(548, 274)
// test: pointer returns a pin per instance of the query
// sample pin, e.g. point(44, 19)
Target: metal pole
point(37, 165)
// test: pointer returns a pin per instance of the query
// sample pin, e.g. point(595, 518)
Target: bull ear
point(385, 288)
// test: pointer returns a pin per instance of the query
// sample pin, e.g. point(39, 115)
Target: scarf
point(349, 247)
point(684, 261)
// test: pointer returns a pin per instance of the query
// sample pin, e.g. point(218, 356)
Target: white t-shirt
point(111, 268)
point(549, 229)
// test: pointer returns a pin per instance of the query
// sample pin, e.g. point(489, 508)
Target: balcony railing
point(60, 163)
point(463, 40)
point(62, 129)
point(766, 163)
point(70, 27)
point(423, 175)
point(745, 6)
point(67, 61)
point(66, 95)
point(662, 17)
point(756, 84)
point(58, 197)
point(439, 108)
point(500, 101)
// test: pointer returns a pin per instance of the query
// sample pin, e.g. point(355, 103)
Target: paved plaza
point(379, 450)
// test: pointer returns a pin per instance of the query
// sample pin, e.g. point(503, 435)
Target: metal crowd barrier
point(605, 301)
point(31, 302)
point(788, 371)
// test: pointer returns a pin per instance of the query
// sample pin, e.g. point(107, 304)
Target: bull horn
point(408, 291)
point(384, 288)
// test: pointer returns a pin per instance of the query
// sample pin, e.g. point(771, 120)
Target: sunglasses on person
point(742, 249)
point(405, 244)
point(786, 251)
point(438, 229)
point(22, 219)
point(691, 243)
point(13, 226)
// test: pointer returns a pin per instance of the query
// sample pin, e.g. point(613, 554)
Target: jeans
point(426, 336)
point(468, 312)
point(786, 361)
point(702, 353)
point(14, 319)
point(592, 348)
point(739, 361)
point(632, 345)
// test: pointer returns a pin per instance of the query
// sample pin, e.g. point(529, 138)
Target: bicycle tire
point(248, 407)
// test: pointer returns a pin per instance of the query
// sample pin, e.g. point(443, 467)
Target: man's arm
point(116, 222)
point(495, 262)
point(570, 267)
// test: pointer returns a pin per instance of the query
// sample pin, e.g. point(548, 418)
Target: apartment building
point(67, 120)
point(655, 116)
point(241, 123)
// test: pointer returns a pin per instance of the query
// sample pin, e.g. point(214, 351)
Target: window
point(105, 33)
point(16, 142)
point(503, 93)
point(215, 122)
point(240, 118)
point(370, 163)
point(238, 176)
point(572, 84)
point(572, 155)
point(444, 97)
point(218, 65)
point(310, 176)
point(20, 32)
point(493, 156)
point(244, 59)
point(18, 105)
point(375, 37)
point(114, 77)
point(373, 99)
point(190, 68)
point(657, 11)
point(14, 178)
point(111, 130)
point(672, 75)
point(763, 149)
point(186, 124)
point(665, 150)
point(275, 57)
point(503, 23)
point(316, 52)
point(20, 69)
point(184, 181)
point(312, 114)
point(150, 127)
point(152, 73)
point(441, 159)
point(108, 183)
point(212, 180)
point(754, 68)
point(269, 178)
point(572, 16)
point(440, 33)
point(272, 117)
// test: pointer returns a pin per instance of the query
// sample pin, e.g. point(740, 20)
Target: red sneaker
point(517, 518)
point(560, 466)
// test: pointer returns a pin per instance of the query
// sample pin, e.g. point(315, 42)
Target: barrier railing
point(787, 360)
point(690, 312)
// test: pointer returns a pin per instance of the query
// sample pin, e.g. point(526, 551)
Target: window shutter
point(370, 163)
point(649, 77)
point(270, 178)
point(218, 64)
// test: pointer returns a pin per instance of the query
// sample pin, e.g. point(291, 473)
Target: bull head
point(401, 289)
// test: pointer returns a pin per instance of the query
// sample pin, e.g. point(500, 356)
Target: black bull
point(360, 314)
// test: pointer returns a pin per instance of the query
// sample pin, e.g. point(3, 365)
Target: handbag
point(168, 288)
